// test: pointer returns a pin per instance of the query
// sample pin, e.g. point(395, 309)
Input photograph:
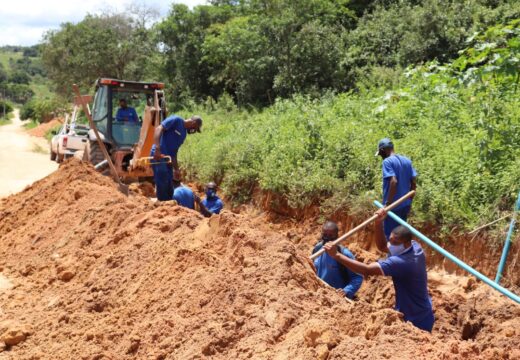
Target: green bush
point(8, 107)
point(27, 111)
point(461, 136)
point(42, 110)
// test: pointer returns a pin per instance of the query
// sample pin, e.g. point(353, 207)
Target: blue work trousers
point(163, 177)
point(390, 224)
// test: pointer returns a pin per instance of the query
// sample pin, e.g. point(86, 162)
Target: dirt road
point(22, 160)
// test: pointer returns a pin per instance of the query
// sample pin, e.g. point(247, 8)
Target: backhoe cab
point(127, 142)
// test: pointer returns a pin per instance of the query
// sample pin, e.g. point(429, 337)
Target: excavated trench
point(88, 273)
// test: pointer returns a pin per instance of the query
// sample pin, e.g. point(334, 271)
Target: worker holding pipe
point(330, 270)
point(399, 177)
point(406, 264)
point(168, 138)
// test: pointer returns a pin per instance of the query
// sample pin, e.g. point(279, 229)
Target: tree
point(111, 45)
point(240, 61)
point(19, 93)
point(182, 34)
point(3, 74)
point(19, 77)
point(398, 34)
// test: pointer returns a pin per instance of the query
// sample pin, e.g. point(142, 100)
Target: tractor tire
point(53, 156)
point(93, 153)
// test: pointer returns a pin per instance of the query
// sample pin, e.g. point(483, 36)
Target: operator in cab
point(168, 138)
point(126, 113)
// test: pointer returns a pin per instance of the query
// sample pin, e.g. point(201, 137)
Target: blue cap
point(384, 144)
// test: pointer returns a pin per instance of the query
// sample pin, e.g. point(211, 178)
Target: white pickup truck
point(70, 139)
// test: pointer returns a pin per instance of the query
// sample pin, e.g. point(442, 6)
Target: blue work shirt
point(335, 274)
point(127, 114)
point(214, 205)
point(400, 167)
point(172, 137)
point(184, 197)
point(408, 272)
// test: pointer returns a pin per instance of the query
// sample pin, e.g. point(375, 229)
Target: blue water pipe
point(508, 242)
point(451, 257)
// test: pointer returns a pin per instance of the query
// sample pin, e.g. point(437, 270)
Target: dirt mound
point(42, 129)
point(145, 189)
point(93, 274)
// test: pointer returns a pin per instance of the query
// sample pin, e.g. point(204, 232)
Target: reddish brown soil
point(87, 273)
point(481, 250)
point(42, 129)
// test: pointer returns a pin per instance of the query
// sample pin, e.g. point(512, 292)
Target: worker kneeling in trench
point(184, 196)
point(332, 271)
point(406, 264)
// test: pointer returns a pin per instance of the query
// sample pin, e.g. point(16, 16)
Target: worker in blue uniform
point(168, 138)
point(405, 264)
point(126, 113)
point(331, 271)
point(212, 201)
point(399, 177)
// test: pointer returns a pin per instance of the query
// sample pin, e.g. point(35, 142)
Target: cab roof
point(134, 85)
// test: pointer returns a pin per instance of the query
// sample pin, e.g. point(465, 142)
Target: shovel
point(121, 187)
point(364, 224)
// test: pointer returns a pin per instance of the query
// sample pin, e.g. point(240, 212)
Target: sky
point(23, 22)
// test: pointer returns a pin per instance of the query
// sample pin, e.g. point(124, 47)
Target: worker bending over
point(184, 196)
point(330, 270)
point(168, 138)
point(399, 178)
point(406, 264)
point(212, 202)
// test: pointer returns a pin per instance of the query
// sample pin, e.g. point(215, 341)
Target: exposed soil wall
point(478, 250)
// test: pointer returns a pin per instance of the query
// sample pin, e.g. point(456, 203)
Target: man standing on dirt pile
point(330, 270)
point(406, 264)
point(168, 138)
point(212, 202)
point(399, 177)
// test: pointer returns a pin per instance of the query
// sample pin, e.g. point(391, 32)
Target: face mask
point(326, 238)
point(396, 249)
point(210, 193)
point(192, 131)
point(383, 153)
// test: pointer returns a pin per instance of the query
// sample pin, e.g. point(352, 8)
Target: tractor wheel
point(93, 153)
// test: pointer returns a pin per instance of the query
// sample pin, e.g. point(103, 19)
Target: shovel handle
point(364, 224)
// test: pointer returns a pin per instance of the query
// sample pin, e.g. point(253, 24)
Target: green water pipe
point(508, 242)
point(451, 257)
